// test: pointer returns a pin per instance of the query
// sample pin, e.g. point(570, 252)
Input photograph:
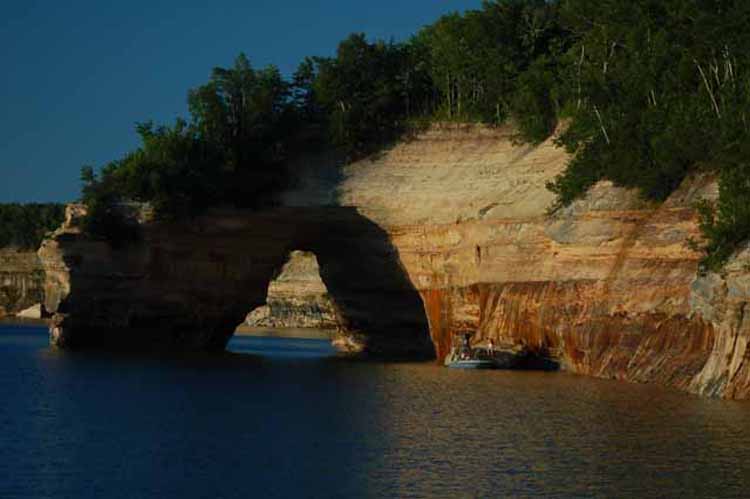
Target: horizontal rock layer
point(449, 230)
point(297, 298)
point(21, 281)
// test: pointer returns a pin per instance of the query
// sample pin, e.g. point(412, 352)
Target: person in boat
point(466, 347)
point(491, 347)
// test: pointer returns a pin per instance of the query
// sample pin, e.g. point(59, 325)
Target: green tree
point(23, 226)
point(362, 90)
point(241, 111)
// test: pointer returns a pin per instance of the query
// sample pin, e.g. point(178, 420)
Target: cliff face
point(722, 301)
point(456, 217)
point(189, 285)
point(608, 286)
point(297, 298)
point(21, 281)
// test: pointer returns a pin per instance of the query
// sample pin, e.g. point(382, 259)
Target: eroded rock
point(297, 298)
point(33, 312)
point(188, 285)
point(449, 229)
point(21, 281)
point(723, 299)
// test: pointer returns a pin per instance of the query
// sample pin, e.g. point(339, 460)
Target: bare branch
point(708, 88)
point(580, 66)
point(601, 124)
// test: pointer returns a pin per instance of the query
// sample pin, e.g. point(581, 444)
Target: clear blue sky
point(77, 75)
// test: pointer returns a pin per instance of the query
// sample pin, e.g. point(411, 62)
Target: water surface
point(280, 418)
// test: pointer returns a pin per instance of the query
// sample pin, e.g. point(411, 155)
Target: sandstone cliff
point(21, 281)
point(457, 217)
point(297, 298)
point(189, 285)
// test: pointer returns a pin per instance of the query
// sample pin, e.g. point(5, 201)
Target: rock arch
point(186, 286)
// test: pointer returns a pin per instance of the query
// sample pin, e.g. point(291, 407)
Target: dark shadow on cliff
point(187, 285)
point(378, 308)
point(364, 276)
point(536, 360)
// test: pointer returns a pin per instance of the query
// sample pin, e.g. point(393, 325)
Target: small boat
point(472, 364)
point(463, 356)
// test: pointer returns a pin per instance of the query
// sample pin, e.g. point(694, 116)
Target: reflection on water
point(284, 344)
point(291, 332)
point(290, 421)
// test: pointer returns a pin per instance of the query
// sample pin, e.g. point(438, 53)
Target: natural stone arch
point(188, 285)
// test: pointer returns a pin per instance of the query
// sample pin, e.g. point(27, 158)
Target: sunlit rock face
point(21, 281)
point(605, 286)
point(449, 230)
point(722, 299)
point(297, 298)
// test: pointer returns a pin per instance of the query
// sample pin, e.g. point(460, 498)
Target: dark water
point(298, 424)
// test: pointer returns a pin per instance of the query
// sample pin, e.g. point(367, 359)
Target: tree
point(240, 111)
point(23, 226)
point(363, 92)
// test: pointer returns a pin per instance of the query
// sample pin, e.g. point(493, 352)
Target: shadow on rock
point(186, 286)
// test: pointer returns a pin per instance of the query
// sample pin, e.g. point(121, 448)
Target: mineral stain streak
point(447, 231)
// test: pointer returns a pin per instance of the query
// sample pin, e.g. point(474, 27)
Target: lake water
point(280, 418)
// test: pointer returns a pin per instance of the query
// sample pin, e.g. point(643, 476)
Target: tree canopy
point(23, 226)
point(656, 90)
point(650, 91)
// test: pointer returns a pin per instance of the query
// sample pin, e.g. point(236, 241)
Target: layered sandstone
point(297, 298)
point(458, 217)
point(722, 300)
point(21, 281)
point(189, 285)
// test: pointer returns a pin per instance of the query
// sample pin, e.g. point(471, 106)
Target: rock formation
point(189, 285)
point(33, 312)
point(297, 298)
point(21, 281)
point(722, 301)
point(450, 230)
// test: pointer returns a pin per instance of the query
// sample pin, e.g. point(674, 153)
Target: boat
point(472, 364)
point(463, 356)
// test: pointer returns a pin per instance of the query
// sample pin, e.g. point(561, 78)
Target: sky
point(76, 76)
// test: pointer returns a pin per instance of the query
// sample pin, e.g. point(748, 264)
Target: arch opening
point(353, 280)
point(186, 286)
point(298, 319)
point(297, 298)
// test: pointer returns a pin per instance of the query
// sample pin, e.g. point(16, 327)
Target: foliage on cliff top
point(655, 90)
point(245, 123)
point(231, 153)
point(651, 91)
point(23, 226)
